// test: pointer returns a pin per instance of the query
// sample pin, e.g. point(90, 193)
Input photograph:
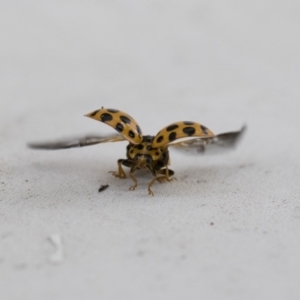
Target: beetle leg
point(167, 174)
point(120, 173)
point(133, 168)
point(149, 186)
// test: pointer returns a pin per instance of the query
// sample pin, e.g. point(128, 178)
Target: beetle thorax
point(143, 152)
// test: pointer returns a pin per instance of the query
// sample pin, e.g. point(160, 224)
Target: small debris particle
point(20, 266)
point(141, 253)
point(5, 235)
point(201, 181)
point(212, 223)
point(26, 180)
point(103, 187)
point(57, 256)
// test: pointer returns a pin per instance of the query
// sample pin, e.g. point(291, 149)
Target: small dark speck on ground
point(212, 223)
point(20, 266)
point(5, 235)
point(201, 181)
point(140, 253)
point(103, 187)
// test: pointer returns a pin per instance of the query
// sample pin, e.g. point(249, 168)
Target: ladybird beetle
point(146, 151)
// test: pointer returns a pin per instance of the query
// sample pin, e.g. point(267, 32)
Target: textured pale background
point(221, 63)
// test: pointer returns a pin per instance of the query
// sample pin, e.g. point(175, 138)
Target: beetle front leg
point(121, 173)
point(132, 188)
point(149, 186)
point(167, 174)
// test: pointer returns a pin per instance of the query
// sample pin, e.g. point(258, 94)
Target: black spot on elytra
point(131, 134)
point(119, 127)
point(188, 123)
point(204, 129)
point(139, 147)
point(125, 119)
point(138, 129)
point(172, 136)
point(94, 113)
point(149, 148)
point(172, 127)
point(131, 151)
point(156, 153)
point(112, 110)
point(160, 139)
point(106, 117)
point(189, 130)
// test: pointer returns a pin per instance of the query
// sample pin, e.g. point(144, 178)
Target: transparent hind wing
point(75, 142)
point(211, 145)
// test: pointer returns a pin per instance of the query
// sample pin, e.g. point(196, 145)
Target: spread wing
point(88, 140)
point(216, 144)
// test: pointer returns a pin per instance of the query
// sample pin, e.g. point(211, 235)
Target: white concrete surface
point(228, 228)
